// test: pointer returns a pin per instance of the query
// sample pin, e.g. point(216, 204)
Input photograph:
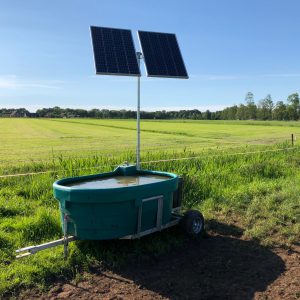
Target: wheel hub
point(197, 226)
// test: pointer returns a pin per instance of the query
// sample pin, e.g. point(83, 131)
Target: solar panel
point(114, 52)
point(162, 55)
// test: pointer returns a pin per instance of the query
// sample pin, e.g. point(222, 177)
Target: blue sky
point(229, 47)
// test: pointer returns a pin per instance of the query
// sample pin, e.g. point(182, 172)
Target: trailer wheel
point(193, 223)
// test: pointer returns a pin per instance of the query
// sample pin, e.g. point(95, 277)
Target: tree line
point(265, 109)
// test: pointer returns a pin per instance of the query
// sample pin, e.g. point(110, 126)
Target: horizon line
point(33, 108)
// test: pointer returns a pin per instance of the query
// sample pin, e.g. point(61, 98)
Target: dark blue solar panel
point(162, 55)
point(114, 51)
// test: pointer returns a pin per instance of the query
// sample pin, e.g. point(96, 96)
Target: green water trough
point(124, 203)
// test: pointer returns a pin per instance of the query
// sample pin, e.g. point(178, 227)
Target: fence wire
point(57, 155)
point(150, 162)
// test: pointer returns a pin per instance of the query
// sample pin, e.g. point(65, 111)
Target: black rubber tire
point(193, 224)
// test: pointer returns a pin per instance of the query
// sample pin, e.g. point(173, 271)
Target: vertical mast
point(138, 145)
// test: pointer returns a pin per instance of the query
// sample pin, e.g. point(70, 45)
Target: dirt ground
point(220, 266)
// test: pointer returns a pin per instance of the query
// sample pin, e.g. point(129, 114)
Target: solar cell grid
point(162, 55)
point(114, 51)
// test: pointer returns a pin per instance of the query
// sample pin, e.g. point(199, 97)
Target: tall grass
point(259, 192)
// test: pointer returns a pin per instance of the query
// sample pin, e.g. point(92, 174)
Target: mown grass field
point(230, 181)
point(41, 139)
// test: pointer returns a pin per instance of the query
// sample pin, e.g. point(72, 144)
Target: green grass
point(42, 139)
point(258, 192)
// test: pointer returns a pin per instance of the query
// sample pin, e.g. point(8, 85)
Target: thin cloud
point(210, 77)
point(221, 77)
point(214, 77)
point(282, 75)
point(7, 81)
point(113, 78)
point(15, 82)
point(235, 77)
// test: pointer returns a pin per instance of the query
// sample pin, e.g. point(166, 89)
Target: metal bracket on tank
point(65, 236)
point(159, 217)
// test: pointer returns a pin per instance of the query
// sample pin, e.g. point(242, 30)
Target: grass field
point(35, 139)
point(257, 191)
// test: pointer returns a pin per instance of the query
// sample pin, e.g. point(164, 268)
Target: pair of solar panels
point(115, 54)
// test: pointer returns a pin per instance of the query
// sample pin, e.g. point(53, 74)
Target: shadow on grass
point(220, 266)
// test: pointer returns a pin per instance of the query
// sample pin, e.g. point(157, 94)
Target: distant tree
point(207, 115)
point(279, 112)
point(265, 108)
point(249, 98)
point(225, 113)
point(14, 113)
point(241, 113)
point(293, 106)
point(229, 113)
point(94, 113)
point(218, 115)
point(251, 109)
point(105, 113)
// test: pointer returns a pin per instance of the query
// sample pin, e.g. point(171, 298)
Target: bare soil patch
point(220, 266)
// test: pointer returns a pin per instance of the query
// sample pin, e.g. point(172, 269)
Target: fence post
point(292, 136)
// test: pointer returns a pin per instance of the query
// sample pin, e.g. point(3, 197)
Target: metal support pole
point(65, 237)
point(138, 128)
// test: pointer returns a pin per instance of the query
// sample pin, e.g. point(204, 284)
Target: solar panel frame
point(180, 74)
point(128, 50)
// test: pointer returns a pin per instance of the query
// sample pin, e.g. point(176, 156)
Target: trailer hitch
point(36, 248)
point(23, 252)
